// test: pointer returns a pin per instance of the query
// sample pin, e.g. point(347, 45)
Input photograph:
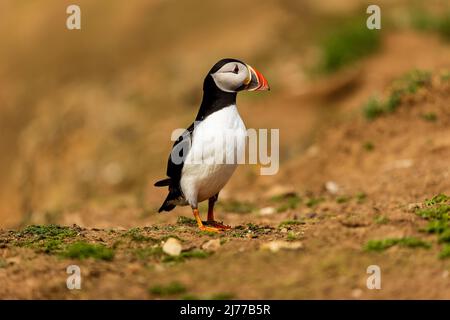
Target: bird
point(199, 163)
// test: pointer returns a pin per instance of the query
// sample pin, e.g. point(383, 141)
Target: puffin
point(206, 154)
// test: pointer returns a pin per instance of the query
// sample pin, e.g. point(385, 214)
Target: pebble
point(172, 247)
point(332, 187)
point(267, 211)
point(211, 245)
point(277, 245)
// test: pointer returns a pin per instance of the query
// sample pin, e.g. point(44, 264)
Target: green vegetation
point(361, 197)
point(312, 202)
point(407, 84)
point(424, 21)
point(368, 146)
point(445, 75)
point(222, 296)
point(381, 245)
point(215, 296)
point(343, 199)
point(192, 254)
point(83, 250)
point(186, 221)
point(380, 219)
point(437, 210)
point(3, 263)
point(288, 201)
point(347, 44)
point(430, 117)
point(46, 238)
point(289, 223)
point(291, 236)
point(445, 252)
point(172, 288)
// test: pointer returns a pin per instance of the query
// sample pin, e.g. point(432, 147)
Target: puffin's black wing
point(178, 154)
point(175, 165)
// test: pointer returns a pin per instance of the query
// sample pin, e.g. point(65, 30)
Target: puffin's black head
point(232, 75)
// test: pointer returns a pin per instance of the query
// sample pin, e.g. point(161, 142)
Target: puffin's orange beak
point(256, 81)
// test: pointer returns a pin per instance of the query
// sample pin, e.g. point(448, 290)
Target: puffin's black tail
point(163, 183)
point(174, 195)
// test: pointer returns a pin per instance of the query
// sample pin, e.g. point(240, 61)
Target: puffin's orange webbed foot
point(218, 225)
point(210, 229)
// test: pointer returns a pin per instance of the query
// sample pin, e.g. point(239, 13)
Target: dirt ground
point(350, 194)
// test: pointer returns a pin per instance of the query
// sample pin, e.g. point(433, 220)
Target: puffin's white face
point(231, 76)
point(236, 76)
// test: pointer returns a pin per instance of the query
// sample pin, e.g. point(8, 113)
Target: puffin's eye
point(236, 69)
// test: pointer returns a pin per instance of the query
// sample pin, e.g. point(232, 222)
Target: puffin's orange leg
point(211, 220)
point(200, 223)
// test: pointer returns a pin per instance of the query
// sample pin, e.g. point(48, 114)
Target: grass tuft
point(347, 44)
point(172, 288)
point(381, 245)
point(407, 84)
point(83, 250)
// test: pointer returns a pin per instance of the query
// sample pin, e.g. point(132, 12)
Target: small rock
point(172, 247)
point(332, 187)
point(277, 245)
point(445, 274)
point(211, 245)
point(267, 211)
point(278, 190)
point(284, 230)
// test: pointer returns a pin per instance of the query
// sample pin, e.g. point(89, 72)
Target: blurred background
point(86, 115)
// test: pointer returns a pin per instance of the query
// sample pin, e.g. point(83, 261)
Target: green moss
point(437, 226)
point(48, 231)
point(83, 250)
point(192, 254)
point(373, 108)
point(439, 23)
point(289, 201)
point(445, 252)
point(368, 146)
point(172, 288)
point(407, 84)
point(186, 221)
point(445, 76)
point(381, 245)
point(347, 43)
point(430, 117)
point(312, 202)
point(343, 199)
point(289, 223)
point(380, 219)
point(222, 296)
point(291, 236)
point(361, 197)
point(46, 238)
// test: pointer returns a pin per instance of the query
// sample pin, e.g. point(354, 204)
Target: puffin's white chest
point(218, 141)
